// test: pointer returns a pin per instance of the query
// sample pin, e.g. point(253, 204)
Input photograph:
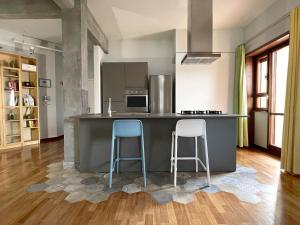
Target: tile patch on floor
point(93, 187)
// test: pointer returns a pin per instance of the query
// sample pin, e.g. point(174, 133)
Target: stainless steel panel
point(200, 24)
point(161, 93)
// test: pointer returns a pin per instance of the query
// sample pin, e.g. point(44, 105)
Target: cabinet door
point(113, 81)
point(136, 75)
point(118, 107)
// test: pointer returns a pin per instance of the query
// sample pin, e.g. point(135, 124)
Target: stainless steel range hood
point(200, 33)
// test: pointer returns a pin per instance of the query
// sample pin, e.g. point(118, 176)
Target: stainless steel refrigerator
point(161, 93)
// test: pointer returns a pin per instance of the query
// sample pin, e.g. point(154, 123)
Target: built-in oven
point(136, 101)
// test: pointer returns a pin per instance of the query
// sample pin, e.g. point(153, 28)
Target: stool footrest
point(129, 159)
point(189, 158)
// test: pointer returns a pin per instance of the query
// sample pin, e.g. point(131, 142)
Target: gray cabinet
point(136, 75)
point(119, 76)
point(113, 81)
point(115, 106)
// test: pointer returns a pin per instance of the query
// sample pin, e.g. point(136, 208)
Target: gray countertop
point(152, 116)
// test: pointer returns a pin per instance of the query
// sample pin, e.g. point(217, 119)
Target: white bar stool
point(189, 128)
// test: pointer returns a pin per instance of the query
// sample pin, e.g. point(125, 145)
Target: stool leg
point(172, 154)
point(196, 154)
point(118, 154)
point(175, 161)
point(143, 160)
point(112, 153)
point(207, 160)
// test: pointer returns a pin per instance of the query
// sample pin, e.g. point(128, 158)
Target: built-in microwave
point(136, 101)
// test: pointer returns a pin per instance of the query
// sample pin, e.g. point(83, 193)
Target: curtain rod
point(268, 27)
point(37, 46)
point(27, 36)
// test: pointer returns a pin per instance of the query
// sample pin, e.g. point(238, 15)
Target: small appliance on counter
point(161, 93)
point(201, 112)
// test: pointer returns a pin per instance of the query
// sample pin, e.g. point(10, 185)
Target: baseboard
point(69, 165)
point(272, 152)
point(52, 139)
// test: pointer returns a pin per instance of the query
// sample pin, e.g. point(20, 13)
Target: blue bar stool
point(125, 129)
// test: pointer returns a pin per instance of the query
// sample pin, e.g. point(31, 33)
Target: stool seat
point(189, 128)
point(126, 129)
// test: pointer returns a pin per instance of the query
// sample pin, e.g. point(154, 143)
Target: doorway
point(270, 77)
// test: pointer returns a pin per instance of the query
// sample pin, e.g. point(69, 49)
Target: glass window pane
point(278, 129)
point(262, 102)
point(262, 78)
point(280, 59)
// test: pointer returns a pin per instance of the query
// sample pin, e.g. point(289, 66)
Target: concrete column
point(98, 56)
point(74, 30)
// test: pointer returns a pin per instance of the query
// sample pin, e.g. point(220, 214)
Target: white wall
point(275, 18)
point(157, 51)
point(49, 118)
point(207, 86)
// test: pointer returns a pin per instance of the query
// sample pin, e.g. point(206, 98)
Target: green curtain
point(290, 154)
point(240, 96)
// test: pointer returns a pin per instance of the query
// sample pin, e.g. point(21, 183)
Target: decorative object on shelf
point(12, 85)
point(29, 113)
point(28, 100)
point(4, 63)
point(31, 123)
point(45, 82)
point(13, 63)
point(29, 67)
point(11, 116)
point(27, 84)
point(12, 100)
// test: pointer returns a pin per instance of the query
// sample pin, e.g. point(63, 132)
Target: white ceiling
point(134, 18)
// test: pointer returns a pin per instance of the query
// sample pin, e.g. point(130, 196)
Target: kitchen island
point(94, 142)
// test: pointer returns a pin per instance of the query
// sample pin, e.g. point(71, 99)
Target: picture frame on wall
point(43, 82)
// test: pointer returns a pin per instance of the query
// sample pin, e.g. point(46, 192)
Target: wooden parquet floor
point(22, 167)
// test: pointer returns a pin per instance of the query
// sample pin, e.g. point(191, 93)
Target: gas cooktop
point(201, 112)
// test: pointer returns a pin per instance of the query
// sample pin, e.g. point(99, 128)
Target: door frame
point(251, 70)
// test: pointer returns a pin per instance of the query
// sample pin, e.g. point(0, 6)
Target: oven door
point(136, 103)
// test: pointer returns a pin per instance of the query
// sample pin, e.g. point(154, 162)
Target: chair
point(189, 128)
point(126, 129)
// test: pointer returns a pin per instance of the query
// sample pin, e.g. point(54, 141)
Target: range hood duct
point(200, 33)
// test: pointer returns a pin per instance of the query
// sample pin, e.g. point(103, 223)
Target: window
point(279, 79)
point(262, 83)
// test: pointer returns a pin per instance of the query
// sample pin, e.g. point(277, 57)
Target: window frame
point(269, 55)
point(259, 59)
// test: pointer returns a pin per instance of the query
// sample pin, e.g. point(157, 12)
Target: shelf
point(10, 68)
point(13, 135)
point(11, 107)
point(17, 129)
point(28, 87)
point(28, 141)
point(28, 71)
point(11, 91)
point(13, 76)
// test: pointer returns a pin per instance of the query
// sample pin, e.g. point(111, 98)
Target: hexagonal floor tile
point(132, 188)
